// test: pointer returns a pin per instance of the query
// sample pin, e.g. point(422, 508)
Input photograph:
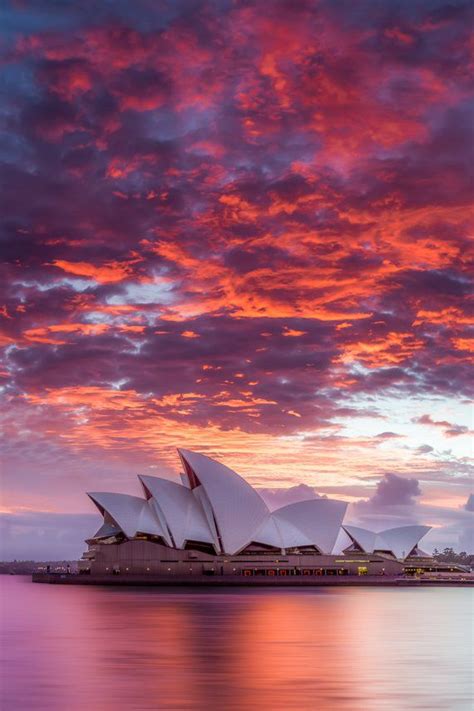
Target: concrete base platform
point(256, 581)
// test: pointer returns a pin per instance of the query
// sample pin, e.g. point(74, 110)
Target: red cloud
point(269, 215)
point(107, 273)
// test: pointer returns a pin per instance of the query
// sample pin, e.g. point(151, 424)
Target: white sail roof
point(131, 513)
point(183, 515)
point(238, 510)
point(216, 506)
point(201, 497)
point(399, 541)
point(361, 537)
point(402, 540)
point(280, 533)
point(269, 534)
point(107, 529)
point(317, 520)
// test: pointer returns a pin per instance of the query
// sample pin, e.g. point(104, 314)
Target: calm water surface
point(71, 648)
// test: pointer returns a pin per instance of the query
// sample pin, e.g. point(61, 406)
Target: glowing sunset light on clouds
point(244, 233)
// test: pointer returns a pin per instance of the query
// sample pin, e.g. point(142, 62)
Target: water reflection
point(99, 648)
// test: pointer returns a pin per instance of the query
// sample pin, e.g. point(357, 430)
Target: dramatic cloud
point(393, 490)
point(240, 231)
point(398, 501)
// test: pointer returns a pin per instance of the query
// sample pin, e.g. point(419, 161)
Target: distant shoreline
point(28, 567)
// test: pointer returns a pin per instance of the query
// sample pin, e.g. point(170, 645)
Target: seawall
point(226, 581)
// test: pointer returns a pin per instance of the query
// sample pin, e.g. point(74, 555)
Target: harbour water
point(355, 649)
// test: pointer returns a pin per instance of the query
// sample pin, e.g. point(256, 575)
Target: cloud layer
point(241, 232)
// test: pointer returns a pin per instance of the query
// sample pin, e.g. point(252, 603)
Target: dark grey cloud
point(394, 490)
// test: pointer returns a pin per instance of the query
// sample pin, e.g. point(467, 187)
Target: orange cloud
point(464, 344)
point(105, 274)
point(292, 332)
point(5, 339)
point(42, 335)
point(450, 316)
point(94, 417)
point(190, 334)
point(131, 328)
point(392, 349)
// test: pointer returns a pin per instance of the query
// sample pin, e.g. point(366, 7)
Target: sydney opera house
point(213, 523)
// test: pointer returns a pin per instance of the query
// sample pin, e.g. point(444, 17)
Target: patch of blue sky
point(156, 292)
point(402, 421)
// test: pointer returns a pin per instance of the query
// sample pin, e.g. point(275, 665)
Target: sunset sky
point(241, 228)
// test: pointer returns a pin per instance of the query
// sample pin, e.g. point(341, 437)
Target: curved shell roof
point(131, 513)
point(400, 541)
point(280, 534)
point(238, 509)
point(317, 520)
point(107, 529)
point(183, 515)
point(362, 537)
point(217, 507)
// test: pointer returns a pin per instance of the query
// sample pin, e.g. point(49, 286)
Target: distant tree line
point(449, 555)
point(27, 567)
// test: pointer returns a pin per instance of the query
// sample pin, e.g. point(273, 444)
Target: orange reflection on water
point(353, 649)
